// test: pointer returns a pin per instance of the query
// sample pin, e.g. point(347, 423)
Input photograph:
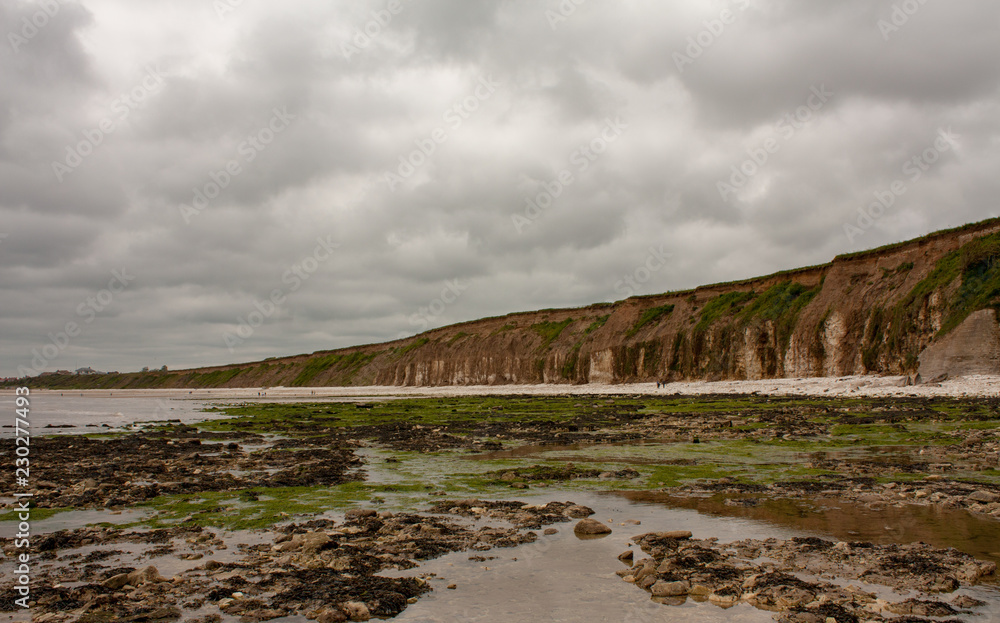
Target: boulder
point(312, 542)
point(983, 497)
point(591, 527)
point(973, 347)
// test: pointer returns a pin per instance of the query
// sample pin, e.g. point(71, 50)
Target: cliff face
point(893, 310)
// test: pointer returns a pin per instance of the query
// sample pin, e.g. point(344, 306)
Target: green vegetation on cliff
point(972, 271)
point(650, 316)
point(549, 331)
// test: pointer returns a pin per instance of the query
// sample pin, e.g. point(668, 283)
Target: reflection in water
point(563, 579)
point(852, 521)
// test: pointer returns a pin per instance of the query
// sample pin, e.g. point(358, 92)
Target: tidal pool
point(562, 578)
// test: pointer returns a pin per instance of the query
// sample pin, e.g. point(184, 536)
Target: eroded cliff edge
point(927, 305)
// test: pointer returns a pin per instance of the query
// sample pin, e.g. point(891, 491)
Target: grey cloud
point(356, 117)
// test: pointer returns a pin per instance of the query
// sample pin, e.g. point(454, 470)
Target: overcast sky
point(339, 173)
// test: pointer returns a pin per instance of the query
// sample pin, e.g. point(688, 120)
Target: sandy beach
point(846, 386)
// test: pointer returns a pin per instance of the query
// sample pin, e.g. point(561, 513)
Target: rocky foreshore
point(322, 569)
point(806, 580)
point(236, 519)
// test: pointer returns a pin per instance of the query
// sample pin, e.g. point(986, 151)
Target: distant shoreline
point(847, 386)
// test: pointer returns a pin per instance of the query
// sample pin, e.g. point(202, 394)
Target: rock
point(143, 576)
point(550, 531)
point(452, 586)
point(794, 598)
point(211, 565)
point(360, 513)
point(356, 611)
point(591, 527)
point(964, 602)
point(723, 600)
point(578, 511)
point(983, 497)
point(970, 348)
point(646, 570)
point(700, 590)
point(314, 541)
point(626, 557)
point(677, 535)
point(163, 614)
point(921, 608)
point(116, 582)
point(331, 615)
point(670, 589)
